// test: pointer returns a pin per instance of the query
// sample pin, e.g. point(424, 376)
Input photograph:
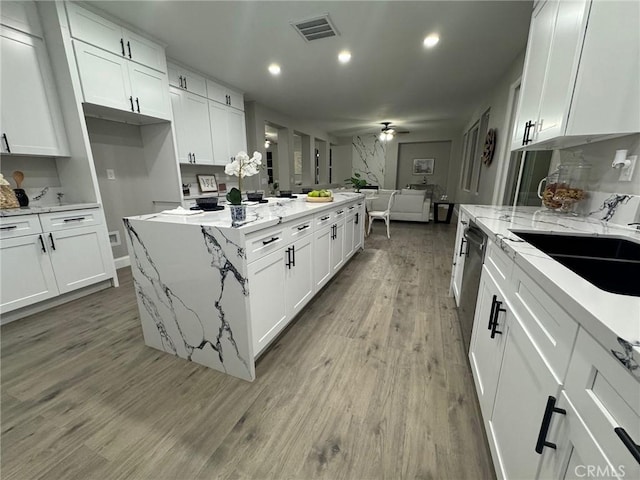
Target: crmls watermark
point(598, 471)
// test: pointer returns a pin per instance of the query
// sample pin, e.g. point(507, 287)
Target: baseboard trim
point(122, 262)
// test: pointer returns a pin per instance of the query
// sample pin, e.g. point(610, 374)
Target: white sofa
point(409, 205)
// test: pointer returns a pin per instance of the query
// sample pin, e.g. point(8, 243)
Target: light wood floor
point(370, 382)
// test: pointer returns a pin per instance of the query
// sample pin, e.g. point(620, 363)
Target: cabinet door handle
point(325, 218)
point(546, 422)
point(194, 158)
point(122, 45)
point(138, 104)
point(633, 447)
point(44, 250)
point(494, 325)
point(352, 207)
point(185, 82)
point(339, 212)
point(131, 101)
point(493, 309)
point(180, 78)
point(267, 242)
point(293, 255)
point(527, 129)
point(53, 245)
point(74, 219)
point(462, 242)
point(303, 227)
point(288, 262)
point(357, 218)
point(129, 47)
point(6, 142)
point(10, 227)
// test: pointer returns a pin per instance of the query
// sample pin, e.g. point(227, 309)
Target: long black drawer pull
point(6, 142)
point(493, 309)
point(44, 250)
point(303, 227)
point(357, 218)
point(122, 45)
point(288, 263)
point(267, 242)
point(546, 422)
point(339, 212)
point(138, 104)
point(74, 219)
point(494, 325)
point(53, 245)
point(351, 208)
point(325, 218)
point(131, 100)
point(461, 252)
point(10, 227)
point(129, 47)
point(633, 447)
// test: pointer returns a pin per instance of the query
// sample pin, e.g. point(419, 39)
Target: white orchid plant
point(242, 166)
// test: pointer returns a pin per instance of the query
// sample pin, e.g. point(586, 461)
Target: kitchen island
point(218, 294)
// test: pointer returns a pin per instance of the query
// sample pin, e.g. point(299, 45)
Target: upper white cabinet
point(224, 95)
point(582, 57)
point(112, 81)
point(102, 33)
point(228, 133)
point(185, 79)
point(191, 122)
point(30, 115)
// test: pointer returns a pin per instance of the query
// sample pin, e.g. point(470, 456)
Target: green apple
point(313, 193)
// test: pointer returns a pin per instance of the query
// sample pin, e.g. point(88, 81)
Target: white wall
point(439, 151)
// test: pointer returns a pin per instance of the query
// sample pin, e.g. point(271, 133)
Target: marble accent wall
point(369, 158)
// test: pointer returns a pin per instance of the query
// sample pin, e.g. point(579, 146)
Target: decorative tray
point(319, 199)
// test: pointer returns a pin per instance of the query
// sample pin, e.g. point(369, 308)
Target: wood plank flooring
point(370, 382)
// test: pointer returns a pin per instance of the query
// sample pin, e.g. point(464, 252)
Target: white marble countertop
point(601, 313)
point(260, 216)
point(12, 212)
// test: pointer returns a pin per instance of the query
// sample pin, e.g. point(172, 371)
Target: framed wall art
point(207, 183)
point(423, 166)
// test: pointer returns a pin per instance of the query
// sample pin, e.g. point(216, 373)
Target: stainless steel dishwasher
point(476, 241)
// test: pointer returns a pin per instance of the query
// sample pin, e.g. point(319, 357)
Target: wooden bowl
point(319, 199)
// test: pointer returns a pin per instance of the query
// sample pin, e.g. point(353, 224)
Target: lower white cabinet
point(459, 255)
point(358, 227)
point(26, 274)
point(337, 242)
point(59, 258)
point(349, 232)
point(323, 239)
point(299, 274)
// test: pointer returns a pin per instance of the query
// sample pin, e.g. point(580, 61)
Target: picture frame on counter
point(207, 183)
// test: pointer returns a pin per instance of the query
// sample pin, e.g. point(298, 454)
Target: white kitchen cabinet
point(323, 238)
point(67, 246)
point(26, 273)
point(459, 255)
point(187, 80)
point(112, 81)
point(574, 89)
point(337, 243)
point(31, 122)
point(299, 275)
point(22, 16)
point(524, 386)
point(349, 232)
point(267, 293)
point(228, 133)
point(193, 132)
point(358, 227)
point(487, 346)
point(577, 452)
point(96, 30)
point(224, 95)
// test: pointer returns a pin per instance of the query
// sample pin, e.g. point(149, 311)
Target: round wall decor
point(489, 147)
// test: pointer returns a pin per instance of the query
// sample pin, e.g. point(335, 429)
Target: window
point(270, 167)
point(473, 143)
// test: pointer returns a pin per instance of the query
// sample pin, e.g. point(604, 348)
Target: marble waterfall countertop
point(13, 212)
point(259, 216)
point(601, 313)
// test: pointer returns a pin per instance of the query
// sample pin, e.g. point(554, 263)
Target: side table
point(436, 206)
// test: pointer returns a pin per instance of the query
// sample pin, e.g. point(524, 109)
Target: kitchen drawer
point(53, 222)
point(300, 228)
point(351, 209)
point(551, 328)
point(607, 396)
point(261, 243)
point(325, 218)
point(340, 213)
point(500, 265)
point(18, 226)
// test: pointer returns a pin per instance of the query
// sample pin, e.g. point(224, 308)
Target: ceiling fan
point(388, 131)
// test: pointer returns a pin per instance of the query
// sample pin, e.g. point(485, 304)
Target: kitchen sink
point(610, 263)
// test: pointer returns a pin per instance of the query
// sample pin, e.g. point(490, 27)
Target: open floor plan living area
point(319, 239)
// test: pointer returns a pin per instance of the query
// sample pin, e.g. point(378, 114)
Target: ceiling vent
point(316, 28)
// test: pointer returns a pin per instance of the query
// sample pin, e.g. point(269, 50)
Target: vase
point(21, 195)
point(238, 213)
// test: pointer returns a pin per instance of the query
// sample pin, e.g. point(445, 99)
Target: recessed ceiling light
point(431, 40)
point(344, 56)
point(274, 69)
